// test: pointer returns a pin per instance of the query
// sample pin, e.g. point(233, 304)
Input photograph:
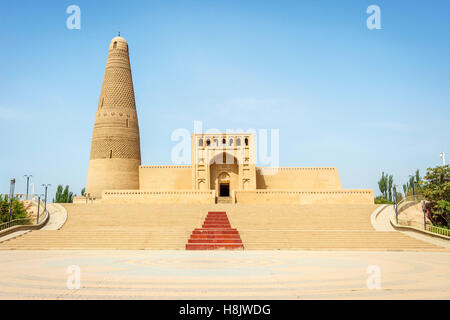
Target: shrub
point(382, 200)
point(18, 211)
point(436, 189)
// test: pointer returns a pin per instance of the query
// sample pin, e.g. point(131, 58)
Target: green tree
point(436, 189)
point(63, 195)
point(418, 178)
point(382, 185)
point(389, 188)
point(18, 211)
point(83, 191)
point(386, 184)
point(414, 180)
point(382, 200)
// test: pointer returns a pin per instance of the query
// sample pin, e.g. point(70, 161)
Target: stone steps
point(261, 227)
point(216, 234)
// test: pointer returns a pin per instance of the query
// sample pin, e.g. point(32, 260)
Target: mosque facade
point(223, 168)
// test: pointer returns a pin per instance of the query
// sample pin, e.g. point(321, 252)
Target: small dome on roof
point(118, 42)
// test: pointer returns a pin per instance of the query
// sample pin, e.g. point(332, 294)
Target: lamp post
point(11, 193)
point(395, 203)
point(424, 209)
point(413, 189)
point(45, 197)
point(28, 176)
point(442, 155)
point(39, 205)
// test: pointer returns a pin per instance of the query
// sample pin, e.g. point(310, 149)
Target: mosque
point(223, 168)
point(222, 201)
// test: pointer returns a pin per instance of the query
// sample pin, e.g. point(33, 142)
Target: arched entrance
point(224, 174)
point(224, 184)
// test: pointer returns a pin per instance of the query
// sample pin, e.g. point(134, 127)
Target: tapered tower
point(115, 150)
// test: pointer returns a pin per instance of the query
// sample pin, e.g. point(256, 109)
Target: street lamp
point(45, 199)
point(424, 209)
point(395, 203)
point(442, 155)
point(415, 184)
point(11, 193)
point(39, 205)
point(412, 185)
point(28, 176)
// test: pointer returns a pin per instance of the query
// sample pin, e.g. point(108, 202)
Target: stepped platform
point(259, 227)
point(216, 234)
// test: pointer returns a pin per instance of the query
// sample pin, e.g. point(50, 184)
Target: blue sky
point(342, 95)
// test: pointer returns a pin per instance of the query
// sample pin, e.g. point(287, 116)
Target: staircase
point(215, 234)
point(116, 227)
point(261, 227)
point(223, 200)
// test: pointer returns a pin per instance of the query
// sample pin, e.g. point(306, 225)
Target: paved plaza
point(224, 275)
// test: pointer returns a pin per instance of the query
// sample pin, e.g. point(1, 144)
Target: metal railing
point(15, 222)
point(26, 221)
point(408, 202)
point(439, 230)
point(23, 222)
point(425, 225)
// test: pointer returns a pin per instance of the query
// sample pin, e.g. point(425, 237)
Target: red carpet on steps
point(215, 234)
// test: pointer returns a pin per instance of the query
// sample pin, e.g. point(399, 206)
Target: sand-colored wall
point(165, 177)
point(305, 197)
point(298, 178)
point(161, 196)
point(112, 174)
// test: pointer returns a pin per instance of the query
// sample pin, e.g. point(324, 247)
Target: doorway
point(224, 189)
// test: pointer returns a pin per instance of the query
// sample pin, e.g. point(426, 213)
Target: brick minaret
point(115, 150)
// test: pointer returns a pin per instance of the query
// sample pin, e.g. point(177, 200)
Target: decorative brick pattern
point(116, 104)
point(116, 130)
point(116, 147)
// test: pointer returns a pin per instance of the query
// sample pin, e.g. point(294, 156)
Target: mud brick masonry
point(223, 166)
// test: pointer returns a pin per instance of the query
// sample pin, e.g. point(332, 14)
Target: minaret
point(115, 150)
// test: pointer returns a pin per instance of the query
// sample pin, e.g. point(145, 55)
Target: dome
point(118, 42)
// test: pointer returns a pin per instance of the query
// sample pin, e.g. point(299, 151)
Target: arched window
point(200, 142)
point(231, 142)
point(115, 44)
point(246, 141)
point(208, 142)
point(216, 143)
point(110, 154)
point(238, 142)
point(224, 142)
